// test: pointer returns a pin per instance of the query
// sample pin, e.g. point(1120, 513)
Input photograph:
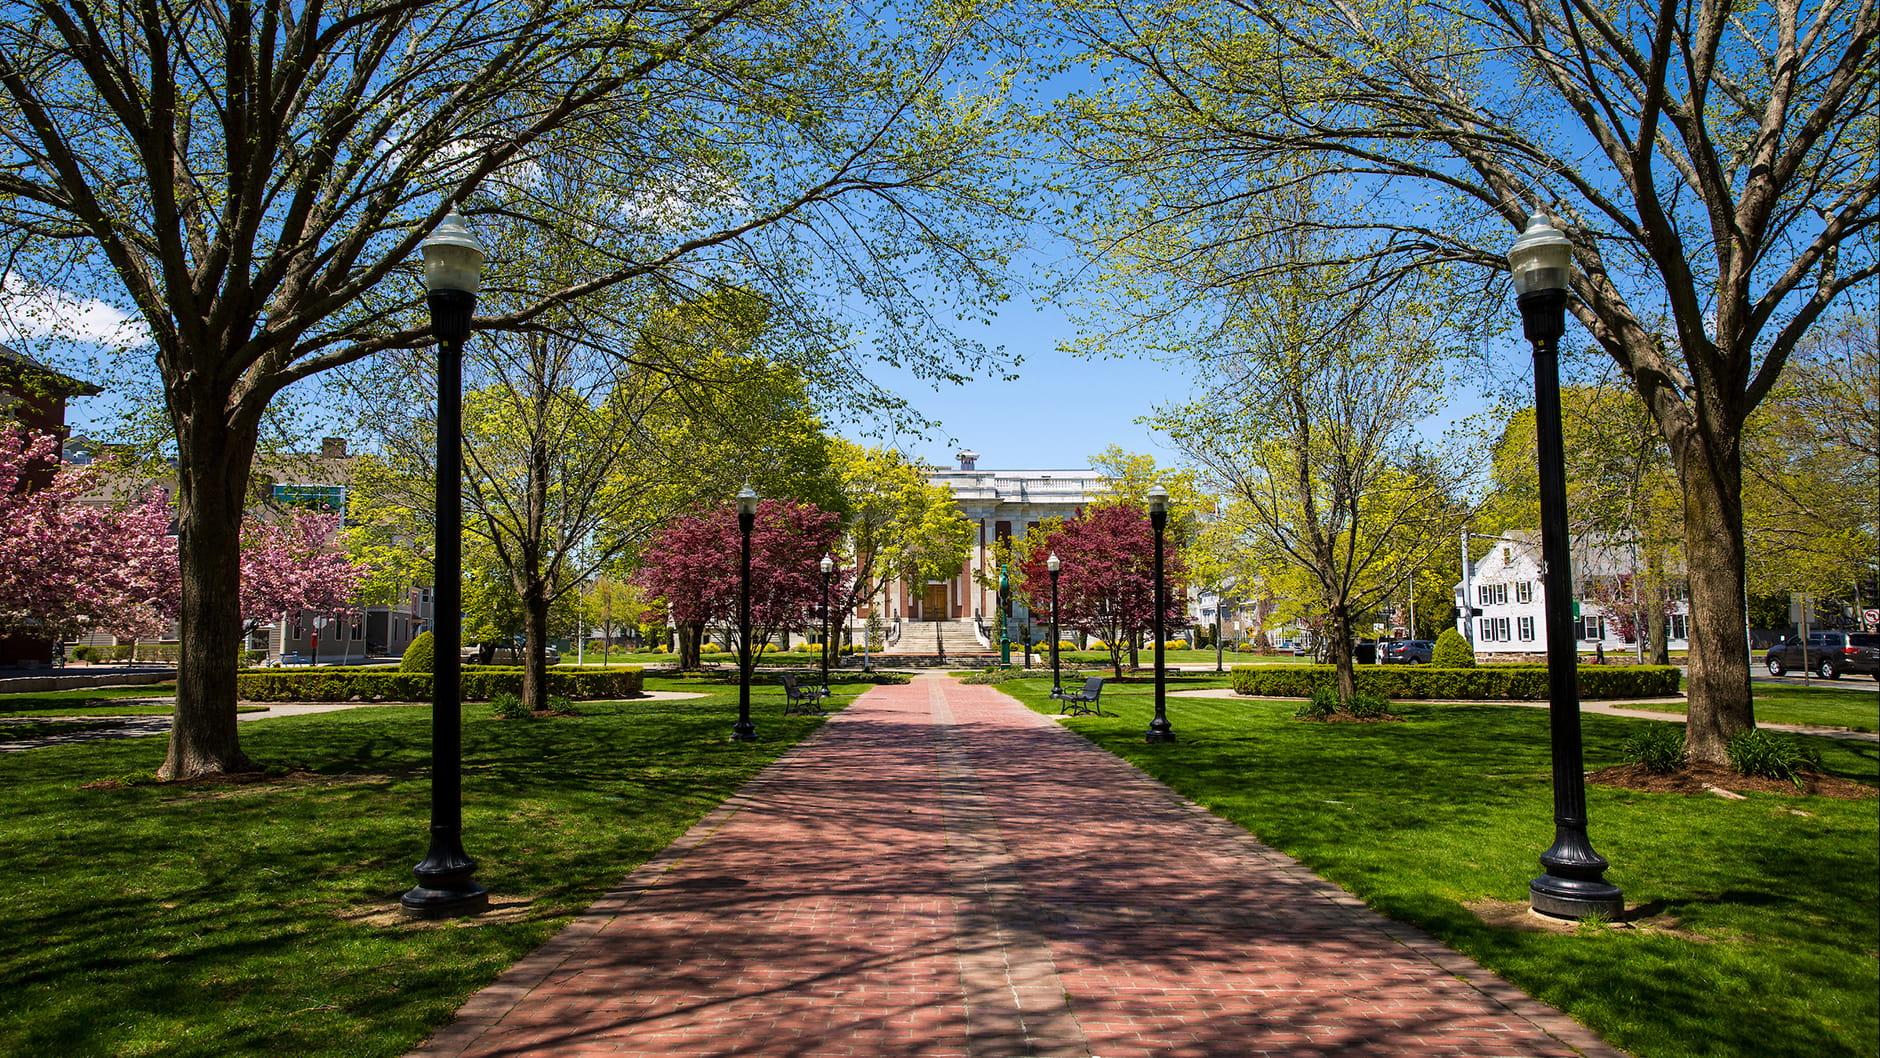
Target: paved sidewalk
point(1602, 708)
point(939, 872)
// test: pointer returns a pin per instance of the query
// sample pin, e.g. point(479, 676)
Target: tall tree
point(1713, 165)
point(1106, 583)
point(694, 567)
point(70, 565)
point(1312, 428)
point(295, 564)
point(898, 527)
point(251, 182)
point(1813, 456)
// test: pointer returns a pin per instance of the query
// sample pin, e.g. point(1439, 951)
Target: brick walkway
point(942, 872)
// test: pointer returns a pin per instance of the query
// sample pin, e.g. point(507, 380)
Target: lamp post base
point(1159, 731)
point(744, 731)
point(447, 886)
point(1575, 897)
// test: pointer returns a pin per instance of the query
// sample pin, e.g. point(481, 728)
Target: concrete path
point(84, 728)
point(939, 871)
point(1601, 708)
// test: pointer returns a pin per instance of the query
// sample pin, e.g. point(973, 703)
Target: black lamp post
point(828, 570)
point(447, 886)
point(1574, 885)
point(744, 730)
point(1159, 729)
point(1005, 619)
point(1052, 565)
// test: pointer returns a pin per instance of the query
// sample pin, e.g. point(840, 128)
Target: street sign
point(1870, 619)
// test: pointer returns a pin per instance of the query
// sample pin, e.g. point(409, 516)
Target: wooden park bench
point(1084, 702)
point(804, 700)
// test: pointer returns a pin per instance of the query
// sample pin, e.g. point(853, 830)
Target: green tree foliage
point(1712, 164)
point(897, 526)
point(1622, 491)
point(1310, 427)
point(250, 184)
point(1813, 458)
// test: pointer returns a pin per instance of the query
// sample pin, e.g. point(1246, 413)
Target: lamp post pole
point(828, 570)
point(1004, 621)
point(447, 886)
point(744, 730)
point(1052, 565)
point(1159, 729)
point(1574, 885)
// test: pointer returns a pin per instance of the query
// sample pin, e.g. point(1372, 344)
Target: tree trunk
point(1719, 689)
point(1338, 638)
point(212, 490)
point(690, 637)
point(535, 646)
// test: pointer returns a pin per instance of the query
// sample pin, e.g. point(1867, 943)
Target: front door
point(933, 603)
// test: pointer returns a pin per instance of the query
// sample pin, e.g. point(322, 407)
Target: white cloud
point(28, 310)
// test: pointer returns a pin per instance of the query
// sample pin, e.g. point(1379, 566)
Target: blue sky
point(1062, 410)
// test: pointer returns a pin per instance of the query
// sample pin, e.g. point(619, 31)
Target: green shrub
point(1452, 651)
point(561, 706)
point(84, 652)
point(1097, 644)
point(1757, 752)
point(995, 675)
point(1323, 703)
point(1175, 644)
point(421, 655)
point(479, 683)
point(1488, 682)
point(1660, 747)
point(1367, 706)
point(507, 706)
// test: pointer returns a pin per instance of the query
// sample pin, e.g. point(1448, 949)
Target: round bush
point(1097, 644)
point(421, 655)
point(1452, 651)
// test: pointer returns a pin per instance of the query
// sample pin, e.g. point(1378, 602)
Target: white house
point(1503, 600)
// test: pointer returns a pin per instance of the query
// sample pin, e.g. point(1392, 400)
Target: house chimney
point(332, 448)
point(967, 458)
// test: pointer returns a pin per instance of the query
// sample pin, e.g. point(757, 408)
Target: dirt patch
point(1707, 778)
point(1645, 918)
point(501, 910)
point(1346, 718)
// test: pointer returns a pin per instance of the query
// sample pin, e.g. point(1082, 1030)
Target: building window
point(1591, 627)
point(1493, 630)
point(1524, 592)
point(1492, 594)
point(1677, 626)
point(1527, 629)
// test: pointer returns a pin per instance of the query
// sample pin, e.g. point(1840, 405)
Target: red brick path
point(942, 872)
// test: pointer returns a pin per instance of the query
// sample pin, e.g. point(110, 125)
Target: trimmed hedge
point(480, 683)
point(1487, 682)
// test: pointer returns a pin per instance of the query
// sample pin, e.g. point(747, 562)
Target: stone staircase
point(933, 639)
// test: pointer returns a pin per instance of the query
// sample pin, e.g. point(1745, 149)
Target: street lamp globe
point(1052, 564)
point(1541, 258)
point(828, 565)
point(453, 257)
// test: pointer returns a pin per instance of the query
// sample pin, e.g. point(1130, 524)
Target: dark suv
point(1828, 654)
point(1408, 651)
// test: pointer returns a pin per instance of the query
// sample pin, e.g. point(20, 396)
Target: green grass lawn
point(87, 701)
point(1821, 705)
point(259, 918)
point(1775, 893)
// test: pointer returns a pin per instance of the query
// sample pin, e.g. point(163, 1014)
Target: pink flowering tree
point(1106, 582)
point(70, 563)
point(294, 565)
point(693, 567)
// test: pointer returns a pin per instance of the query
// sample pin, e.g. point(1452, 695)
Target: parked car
point(1827, 654)
point(1408, 651)
point(505, 654)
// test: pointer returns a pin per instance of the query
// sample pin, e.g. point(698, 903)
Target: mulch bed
point(1702, 778)
point(1347, 718)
